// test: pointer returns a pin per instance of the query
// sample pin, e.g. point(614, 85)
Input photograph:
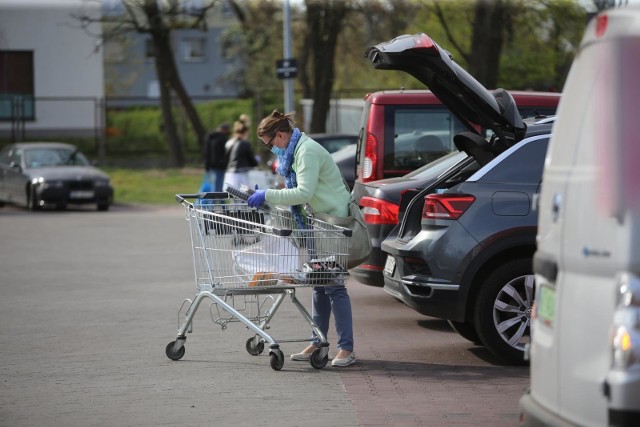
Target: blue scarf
point(285, 169)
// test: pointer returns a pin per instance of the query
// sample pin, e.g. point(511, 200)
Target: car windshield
point(58, 156)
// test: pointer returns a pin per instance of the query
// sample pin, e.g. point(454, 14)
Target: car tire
point(503, 310)
point(466, 330)
point(102, 207)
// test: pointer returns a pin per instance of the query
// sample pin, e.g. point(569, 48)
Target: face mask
point(278, 151)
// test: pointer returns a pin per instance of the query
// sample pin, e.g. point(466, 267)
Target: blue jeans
point(327, 299)
point(216, 178)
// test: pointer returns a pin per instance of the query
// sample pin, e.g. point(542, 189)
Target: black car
point(463, 248)
point(345, 158)
point(51, 174)
point(380, 202)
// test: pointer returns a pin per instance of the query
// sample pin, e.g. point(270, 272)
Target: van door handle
point(556, 206)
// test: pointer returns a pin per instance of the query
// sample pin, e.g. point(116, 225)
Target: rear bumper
point(531, 414)
point(370, 271)
point(426, 295)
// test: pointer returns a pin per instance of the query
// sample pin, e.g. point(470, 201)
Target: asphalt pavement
point(89, 300)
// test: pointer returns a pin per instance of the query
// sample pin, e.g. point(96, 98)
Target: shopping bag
point(360, 245)
point(271, 255)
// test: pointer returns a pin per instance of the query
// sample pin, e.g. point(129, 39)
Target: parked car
point(585, 348)
point(345, 158)
point(333, 143)
point(380, 202)
point(50, 174)
point(463, 249)
point(402, 130)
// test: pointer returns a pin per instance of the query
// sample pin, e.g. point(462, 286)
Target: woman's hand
point(257, 199)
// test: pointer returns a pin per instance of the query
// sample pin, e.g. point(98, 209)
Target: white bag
point(272, 254)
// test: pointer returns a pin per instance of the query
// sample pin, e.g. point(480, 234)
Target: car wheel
point(503, 310)
point(34, 202)
point(467, 330)
point(103, 206)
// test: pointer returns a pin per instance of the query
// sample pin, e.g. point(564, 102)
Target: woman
point(240, 158)
point(311, 177)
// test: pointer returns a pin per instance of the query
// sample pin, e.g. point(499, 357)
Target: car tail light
point(370, 158)
point(625, 336)
point(446, 206)
point(378, 211)
point(424, 41)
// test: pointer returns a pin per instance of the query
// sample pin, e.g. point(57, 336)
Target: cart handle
point(209, 195)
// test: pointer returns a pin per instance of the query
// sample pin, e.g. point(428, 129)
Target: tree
point(317, 58)
point(159, 19)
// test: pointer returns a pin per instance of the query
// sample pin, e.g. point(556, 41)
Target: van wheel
point(503, 310)
point(467, 330)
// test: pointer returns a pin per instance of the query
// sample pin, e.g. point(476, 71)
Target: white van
point(585, 349)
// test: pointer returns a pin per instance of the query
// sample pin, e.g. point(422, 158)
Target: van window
point(420, 134)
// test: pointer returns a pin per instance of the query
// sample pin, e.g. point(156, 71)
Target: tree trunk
point(192, 114)
point(324, 23)
point(169, 78)
point(163, 56)
point(492, 18)
point(168, 121)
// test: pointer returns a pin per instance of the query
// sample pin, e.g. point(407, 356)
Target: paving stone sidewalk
point(89, 300)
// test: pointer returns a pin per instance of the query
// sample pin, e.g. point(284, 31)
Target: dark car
point(345, 158)
point(463, 249)
point(333, 143)
point(51, 174)
point(380, 202)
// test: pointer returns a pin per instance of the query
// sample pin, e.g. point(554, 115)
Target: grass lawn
point(153, 186)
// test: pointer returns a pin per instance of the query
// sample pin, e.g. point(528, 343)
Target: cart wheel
point(174, 355)
point(277, 359)
point(317, 361)
point(254, 350)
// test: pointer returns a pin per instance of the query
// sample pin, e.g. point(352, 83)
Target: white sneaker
point(349, 360)
point(301, 357)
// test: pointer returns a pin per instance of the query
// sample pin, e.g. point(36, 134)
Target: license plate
point(81, 194)
point(546, 305)
point(389, 265)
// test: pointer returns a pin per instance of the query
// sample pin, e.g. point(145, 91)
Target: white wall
point(66, 61)
point(344, 115)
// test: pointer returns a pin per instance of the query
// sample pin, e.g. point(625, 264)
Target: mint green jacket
point(319, 181)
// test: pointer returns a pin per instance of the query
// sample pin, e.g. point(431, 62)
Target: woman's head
point(241, 126)
point(270, 127)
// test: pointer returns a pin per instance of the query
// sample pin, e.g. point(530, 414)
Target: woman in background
point(240, 158)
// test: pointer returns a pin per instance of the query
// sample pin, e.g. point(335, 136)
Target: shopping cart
point(247, 261)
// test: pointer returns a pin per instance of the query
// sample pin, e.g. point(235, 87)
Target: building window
point(193, 49)
point(16, 85)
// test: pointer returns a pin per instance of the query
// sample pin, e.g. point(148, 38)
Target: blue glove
point(257, 199)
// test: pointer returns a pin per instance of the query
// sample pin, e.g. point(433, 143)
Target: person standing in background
point(239, 154)
point(214, 157)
